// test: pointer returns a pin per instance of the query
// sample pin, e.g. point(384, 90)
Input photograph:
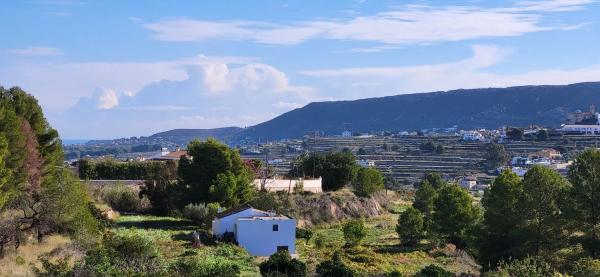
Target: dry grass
point(19, 263)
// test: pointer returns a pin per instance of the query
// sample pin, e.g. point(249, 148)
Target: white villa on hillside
point(260, 233)
point(273, 184)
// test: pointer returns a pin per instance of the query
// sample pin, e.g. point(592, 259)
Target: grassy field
point(172, 236)
point(380, 251)
point(19, 263)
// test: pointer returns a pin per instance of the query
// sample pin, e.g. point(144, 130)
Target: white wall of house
point(468, 183)
point(312, 185)
point(256, 235)
point(227, 224)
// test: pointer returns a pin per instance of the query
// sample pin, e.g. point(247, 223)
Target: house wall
point(227, 224)
point(312, 185)
point(259, 239)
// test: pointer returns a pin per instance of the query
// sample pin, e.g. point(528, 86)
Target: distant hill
point(184, 135)
point(472, 108)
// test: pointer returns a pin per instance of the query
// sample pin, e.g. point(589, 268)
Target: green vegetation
point(495, 156)
point(39, 197)
point(337, 169)
point(367, 182)
point(282, 264)
point(411, 226)
point(354, 232)
point(214, 173)
point(109, 169)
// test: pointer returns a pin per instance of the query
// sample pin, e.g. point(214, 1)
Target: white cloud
point(471, 72)
point(200, 92)
point(411, 24)
point(108, 99)
point(35, 51)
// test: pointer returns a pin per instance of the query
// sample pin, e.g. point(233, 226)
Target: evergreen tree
point(501, 219)
point(209, 160)
point(425, 198)
point(584, 212)
point(411, 226)
point(541, 206)
point(454, 213)
point(368, 181)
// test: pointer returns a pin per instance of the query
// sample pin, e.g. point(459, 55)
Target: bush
point(531, 267)
point(282, 264)
point(411, 226)
point(586, 267)
point(123, 256)
point(354, 232)
point(205, 267)
point(319, 240)
point(304, 233)
point(367, 182)
point(121, 198)
point(203, 214)
point(334, 268)
point(394, 273)
point(61, 268)
point(436, 271)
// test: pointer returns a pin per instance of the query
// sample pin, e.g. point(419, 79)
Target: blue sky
point(105, 69)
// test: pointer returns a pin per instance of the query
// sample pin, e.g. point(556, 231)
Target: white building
point(468, 182)
point(366, 163)
point(472, 136)
point(260, 233)
point(581, 129)
point(346, 134)
point(271, 184)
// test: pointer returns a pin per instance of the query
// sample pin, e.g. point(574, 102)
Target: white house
point(472, 136)
point(273, 184)
point(366, 163)
point(468, 182)
point(346, 134)
point(260, 233)
point(581, 129)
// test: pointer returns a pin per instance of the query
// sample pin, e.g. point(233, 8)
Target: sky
point(110, 69)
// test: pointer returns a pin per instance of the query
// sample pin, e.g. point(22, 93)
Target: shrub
point(586, 267)
point(411, 226)
point(367, 182)
point(435, 271)
point(282, 264)
point(299, 187)
point(530, 266)
point(354, 231)
point(394, 273)
point(121, 198)
point(123, 256)
point(319, 240)
point(334, 268)
point(304, 233)
point(61, 268)
point(203, 214)
point(205, 267)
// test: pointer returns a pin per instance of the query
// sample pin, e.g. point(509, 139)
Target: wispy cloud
point(411, 24)
point(470, 72)
point(35, 51)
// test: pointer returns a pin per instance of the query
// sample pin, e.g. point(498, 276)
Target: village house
point(261, 233)
point(166, 155)
point(468, 182)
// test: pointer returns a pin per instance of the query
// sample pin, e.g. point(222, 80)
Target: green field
point(379, 252)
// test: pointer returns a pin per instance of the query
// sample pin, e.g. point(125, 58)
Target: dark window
point(280, 248)
point(275, 227)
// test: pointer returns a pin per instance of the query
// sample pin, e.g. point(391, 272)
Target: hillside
point(472, 108)
point(221, 133)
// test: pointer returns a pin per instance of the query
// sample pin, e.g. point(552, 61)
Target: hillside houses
point(261, 233)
